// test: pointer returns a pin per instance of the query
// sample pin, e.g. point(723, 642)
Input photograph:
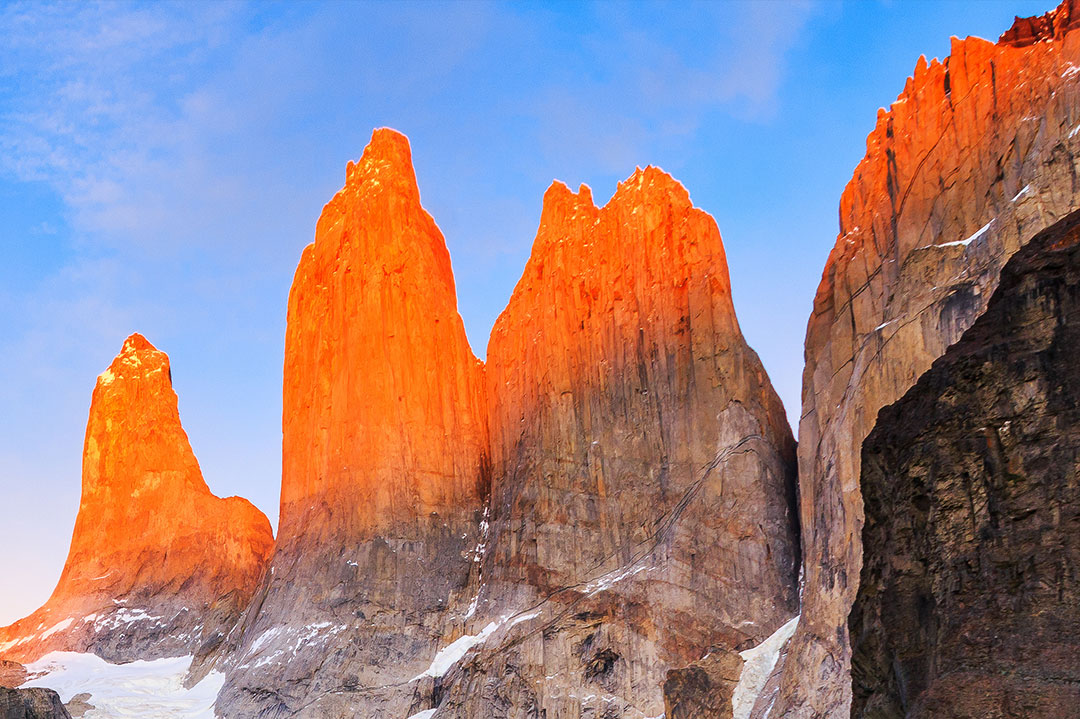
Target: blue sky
point(162, 166)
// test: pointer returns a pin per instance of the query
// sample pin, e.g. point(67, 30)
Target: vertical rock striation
point(611, 499)
point(969, 599)
point(384, 462)
point(975, 157)
point(643, 471)
point(158, 565)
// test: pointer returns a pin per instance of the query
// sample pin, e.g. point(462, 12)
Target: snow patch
point(311, 631)
point(472, 605)
point(978, 233)
point(293, 639)
point(758, 665)
point(846, 237)
point(452, 653)
point(125, 616)
point(58, 627)
point(1070, 71)
point(264, 638)
point(128, 691)
point(1026, 190)
point(608, 581)
point(481, 547)
point(426, 714)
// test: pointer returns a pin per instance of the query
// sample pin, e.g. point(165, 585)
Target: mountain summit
point(158, 565)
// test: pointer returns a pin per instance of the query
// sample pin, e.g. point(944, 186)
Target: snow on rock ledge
point(759, 664)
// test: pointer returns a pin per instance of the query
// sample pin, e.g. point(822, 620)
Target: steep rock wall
point(384, 463)
point(643, 501)
point(976, 156)
point(969, 599)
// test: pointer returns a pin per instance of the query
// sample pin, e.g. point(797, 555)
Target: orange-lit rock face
point(384, 457)
point(616, 374)
point(643, 471)
point(975, 157)
point(383, 414)
point(1050, 26)
point(157, 563)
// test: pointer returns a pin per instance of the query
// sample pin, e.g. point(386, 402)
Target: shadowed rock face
point(969, 599)
point(384, 456)
point(31, 704)
point(642, 506)
point(975, 157)
point(158, 566)
point(703, 689)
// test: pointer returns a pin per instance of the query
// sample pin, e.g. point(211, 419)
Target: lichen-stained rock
point(643, 471)
point(384, 464)
point(976, 156)
point(969, 598)
point(158, 566)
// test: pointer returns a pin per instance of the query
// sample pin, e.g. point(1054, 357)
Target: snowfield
point(139, 690)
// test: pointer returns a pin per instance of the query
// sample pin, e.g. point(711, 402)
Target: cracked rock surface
point(969, 600)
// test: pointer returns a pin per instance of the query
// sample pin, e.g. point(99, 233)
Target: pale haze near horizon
point(163, 165)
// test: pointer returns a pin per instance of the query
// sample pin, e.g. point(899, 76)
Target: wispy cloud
point(650, 88)
point(159, 124)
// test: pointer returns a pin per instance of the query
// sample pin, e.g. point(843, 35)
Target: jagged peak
point(559, 192)
point(941, 84)
point(1052, 25)
point(652, 179)
point(137, 357)
point(137, 343)
point(385, 163)
point(560, 202)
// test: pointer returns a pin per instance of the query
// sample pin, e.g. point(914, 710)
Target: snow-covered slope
point(138, 690)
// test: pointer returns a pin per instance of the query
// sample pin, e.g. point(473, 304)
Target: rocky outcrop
point(158, 566)
point(12, 674)
point(704, 689)
point(31, 704)
point(642, 508)
point(385, 464)
point(79, 705)
point(969, 598)
point(975, 157)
